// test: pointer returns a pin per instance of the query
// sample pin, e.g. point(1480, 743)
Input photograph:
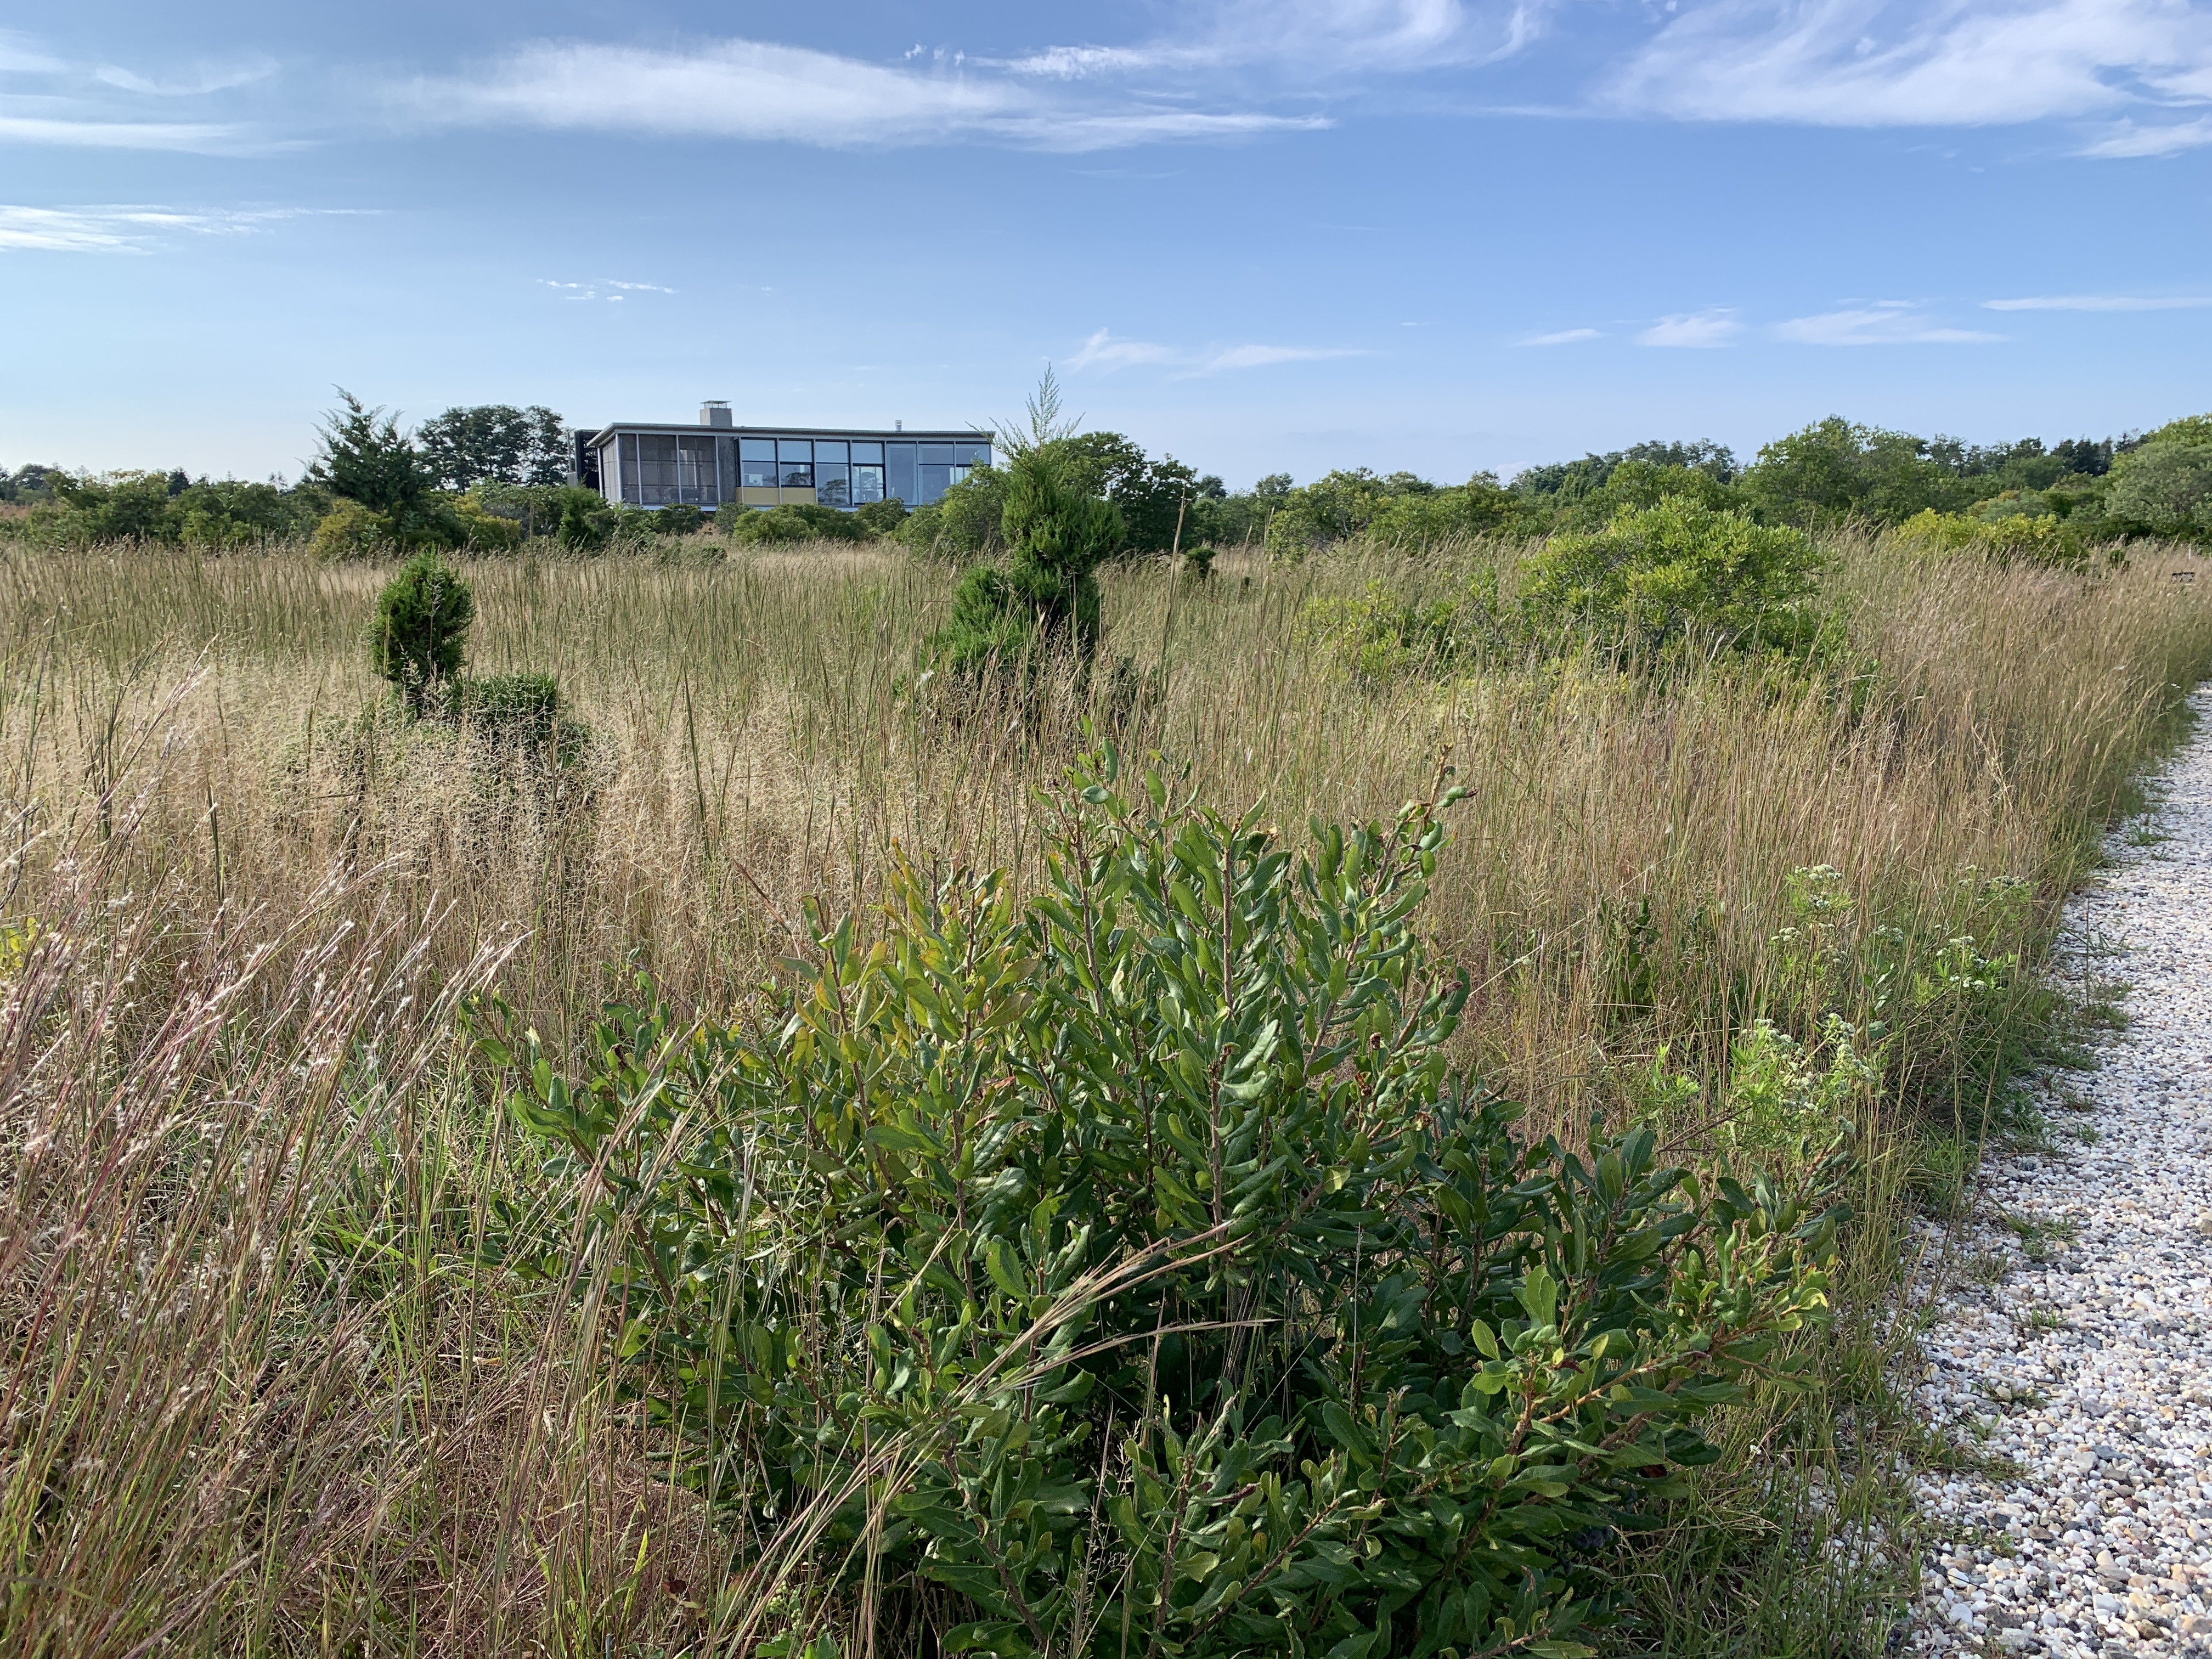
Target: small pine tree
point(1044, 598)
point(421, 632)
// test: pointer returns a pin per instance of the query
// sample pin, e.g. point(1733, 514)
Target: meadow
point(271, 1388)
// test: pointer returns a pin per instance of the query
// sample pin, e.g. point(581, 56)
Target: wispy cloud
point(1102, 352)
point(213, 77)
point(1939, 63)
point(2102, 302)
point(121, 228)
point(1565, 336)
point(2127, 140)
point(1261, 357)
point(1884, 322)
point(593, 290)
point(748, 89)
point(19, 56)
point(1701, 330)
point(46, 99)
point(125, 135)
point(1309, 39)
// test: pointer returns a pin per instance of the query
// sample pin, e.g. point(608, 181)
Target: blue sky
point(1262, 234)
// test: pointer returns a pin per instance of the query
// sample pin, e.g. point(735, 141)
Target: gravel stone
point(2079, 1380)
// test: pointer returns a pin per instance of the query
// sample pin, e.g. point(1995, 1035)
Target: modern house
point(653, 465)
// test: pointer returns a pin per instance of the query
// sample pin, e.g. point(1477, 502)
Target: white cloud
point(590, 290)
point(1565, 336)
point(19, 56)
point(1260, 356)
point(1884, 322)
point(748, 89)
point(123, 135)
point(1938, 62)
point(1102, 351)
point(2129, 140)
point(1310, 38)
point(2102, 302)
point(210, 78)
point(1702, 328)
point(116, 229)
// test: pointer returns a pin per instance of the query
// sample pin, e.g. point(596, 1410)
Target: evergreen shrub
point(1127, 1270)
point(421, 632)
point(1043, 598)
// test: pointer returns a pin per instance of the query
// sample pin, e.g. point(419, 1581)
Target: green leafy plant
point(1126, 1271)
point(421, 631)
point(881, 518)
point(1679, 573)
point(795, 522)
point(1380, 635)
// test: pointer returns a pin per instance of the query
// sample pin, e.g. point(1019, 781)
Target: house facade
point(658, 465)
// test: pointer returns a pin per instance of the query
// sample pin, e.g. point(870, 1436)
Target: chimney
point(898, 426)
point(713, 412)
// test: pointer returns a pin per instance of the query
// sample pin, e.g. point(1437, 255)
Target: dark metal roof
point(966, 434)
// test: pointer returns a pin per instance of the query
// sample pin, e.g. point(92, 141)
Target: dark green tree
point(421, 633)
point(496, 443)
point(1043, 598)
point(367, 458)
point(1154, 497)
point(1834, 470)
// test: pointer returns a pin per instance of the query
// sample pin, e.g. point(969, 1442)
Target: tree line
point(490, 476)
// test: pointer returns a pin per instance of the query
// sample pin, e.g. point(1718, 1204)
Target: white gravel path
point(2086, 1367)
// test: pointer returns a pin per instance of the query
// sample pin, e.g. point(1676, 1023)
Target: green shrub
point(882, 518)
point(2041, 538)
point(483, 530)
point(587, 522)
point(523, 707)
point(679, 519)
point(421, 632)
point(520, 714)
point(1044, 598)
point(965, 523)
point(1128, 1270)
point(1675, 574)
point(1380, 635)
point(348, 530)
point(797, 522)
point(2165, 487)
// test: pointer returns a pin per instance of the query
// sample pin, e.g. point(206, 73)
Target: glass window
point(627, 453)
point(756, 449)
point(827, 451)
point(789, 450)
point(867, 481)
point(937, 454)
point(867, 452)
point(695, 472)
point(899, 469)
point(756, 473)
point(971, 454)
point(830, 488)
point(797, 476)
point(656, 469)
point(935, 481)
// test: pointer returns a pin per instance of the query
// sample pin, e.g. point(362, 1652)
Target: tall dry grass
point(262, 1394)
